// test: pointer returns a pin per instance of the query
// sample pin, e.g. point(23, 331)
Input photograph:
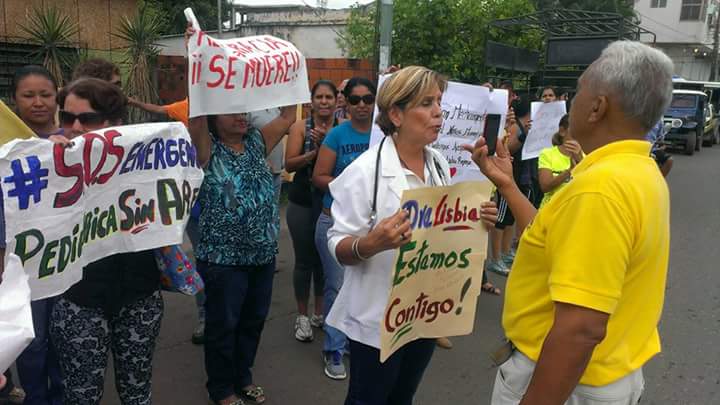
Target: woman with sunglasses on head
point(34, 92)
point(369, 225)
point(117, 306)
point(238, 243)
point(341, 147)
point(305, 203)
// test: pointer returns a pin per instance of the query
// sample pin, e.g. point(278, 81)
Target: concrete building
point(312, 30)
point(684, 30)
point(96, 21)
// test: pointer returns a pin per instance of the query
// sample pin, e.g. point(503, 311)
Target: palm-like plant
point(51, 30)
point(141, 33)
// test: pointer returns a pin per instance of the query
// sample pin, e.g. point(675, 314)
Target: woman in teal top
point(238, 242)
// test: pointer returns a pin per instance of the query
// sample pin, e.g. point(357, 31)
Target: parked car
point(711, 132)
point(692, 120)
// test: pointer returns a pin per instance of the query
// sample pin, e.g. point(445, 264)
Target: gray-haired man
point(586, 291)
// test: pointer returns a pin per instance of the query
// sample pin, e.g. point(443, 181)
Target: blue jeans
point(391, 383)
point(237, 304)
point(37, 366)
point(334, 274)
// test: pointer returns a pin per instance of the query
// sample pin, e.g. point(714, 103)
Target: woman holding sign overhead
point(369, 226)
point(237, 247)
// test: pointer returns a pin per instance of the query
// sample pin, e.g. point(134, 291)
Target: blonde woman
point(363, 238)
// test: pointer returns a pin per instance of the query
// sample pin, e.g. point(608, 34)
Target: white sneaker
point(317, 321)
point(303, 331)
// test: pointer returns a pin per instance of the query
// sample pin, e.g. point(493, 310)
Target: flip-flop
point(490, 288)
point(255, 395)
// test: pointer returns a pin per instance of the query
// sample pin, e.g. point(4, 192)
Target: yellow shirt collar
point(631, 146)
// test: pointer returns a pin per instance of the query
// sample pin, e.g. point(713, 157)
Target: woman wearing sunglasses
point(34, 93)
point(117, 306)
point(340, 147)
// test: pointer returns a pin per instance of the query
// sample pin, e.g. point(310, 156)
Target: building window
point(693, 10)
point(658, 3)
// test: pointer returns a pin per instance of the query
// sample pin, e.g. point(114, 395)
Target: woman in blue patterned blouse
point(238, 244)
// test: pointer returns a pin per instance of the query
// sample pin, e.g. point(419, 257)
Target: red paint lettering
point(253, 43)
point(388, 324)
point(90, 174)
point(84, 173)
point(216, 69)
point(270, 69)
point(250, 71)
point(288, 63)
point(281, 71)
point(71, 196)
point(113, 150)
point(440, 212)
point(194, 73)
point(276, 42)
point(230, 73)
point(200, 36)
point(296, 61)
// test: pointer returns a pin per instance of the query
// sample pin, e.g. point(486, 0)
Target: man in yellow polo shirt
point(586, 291)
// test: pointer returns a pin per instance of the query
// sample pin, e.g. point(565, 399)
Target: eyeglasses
point(67, 119)
point(355, 99)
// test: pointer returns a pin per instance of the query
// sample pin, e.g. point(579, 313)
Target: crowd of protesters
point(580, 325)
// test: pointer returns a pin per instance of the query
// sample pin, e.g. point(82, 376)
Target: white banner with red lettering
point(116, 190)
point(246, 74)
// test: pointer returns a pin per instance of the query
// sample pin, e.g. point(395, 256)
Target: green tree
point(171, 16)
point(358, 40)
point(51, 29)
point(141, 33)
point(444, 35)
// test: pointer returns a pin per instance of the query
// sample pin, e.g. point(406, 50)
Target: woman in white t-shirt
point(369, 226)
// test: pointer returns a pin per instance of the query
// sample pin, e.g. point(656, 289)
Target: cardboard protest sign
point(438, 273)
point(545, 123)
point(12, 126)
point(16, 324)
point(464, 109)
point(116, 190)
point(239, 75)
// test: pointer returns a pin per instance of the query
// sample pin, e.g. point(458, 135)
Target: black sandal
point(254, 394)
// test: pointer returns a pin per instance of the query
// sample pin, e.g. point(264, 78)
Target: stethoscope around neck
point(378, 161)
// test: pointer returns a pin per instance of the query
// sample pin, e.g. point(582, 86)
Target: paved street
point(687, 372)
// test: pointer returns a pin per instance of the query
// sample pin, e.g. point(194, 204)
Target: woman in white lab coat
point(369, 225)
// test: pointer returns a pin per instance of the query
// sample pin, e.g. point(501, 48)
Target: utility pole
point(386, 18)
point(219, 12)
point(716, 42)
